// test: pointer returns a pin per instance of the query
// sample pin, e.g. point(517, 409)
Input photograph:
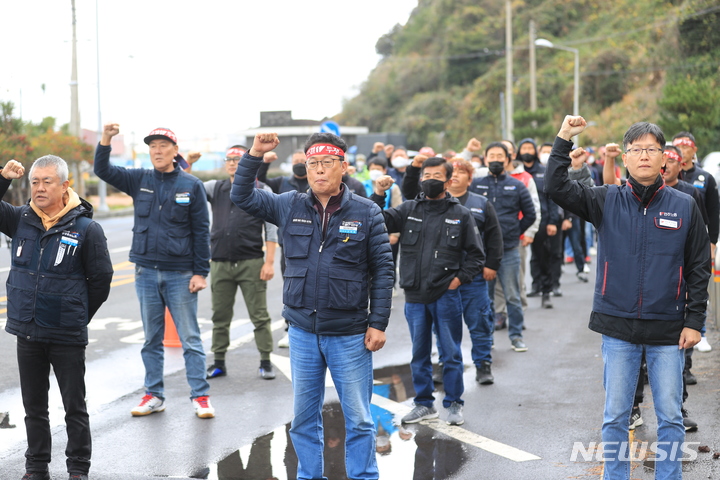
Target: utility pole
point(102, 187)
point(533, 68)
point(74, 109)
point(509, 126)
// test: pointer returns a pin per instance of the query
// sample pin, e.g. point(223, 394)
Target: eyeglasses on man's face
point(327, 162)
point(651, 151)
point(232, 160)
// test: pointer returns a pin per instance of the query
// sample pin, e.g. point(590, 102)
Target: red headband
point(235, 152)
point(324, 149)
point(673, 155)
point(684, 141)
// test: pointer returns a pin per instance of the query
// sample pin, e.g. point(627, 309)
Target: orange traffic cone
point(171, 336)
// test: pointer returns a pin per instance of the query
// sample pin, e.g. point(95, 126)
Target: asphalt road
point(522, 427)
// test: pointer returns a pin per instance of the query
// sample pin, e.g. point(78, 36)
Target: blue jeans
point(509, 276)
point(446, 314)
point(622, 367)
point(477, 313)
point(351, 368)
point(157, 289)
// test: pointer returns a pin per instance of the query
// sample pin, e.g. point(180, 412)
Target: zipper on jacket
point(37, 279)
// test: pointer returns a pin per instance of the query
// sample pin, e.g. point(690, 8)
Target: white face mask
point(360, 166)
point(544, 158)
point(476, 165)
point(375, 174)
point(400, 162)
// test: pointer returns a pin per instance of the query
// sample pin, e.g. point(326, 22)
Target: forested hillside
point(442, 73)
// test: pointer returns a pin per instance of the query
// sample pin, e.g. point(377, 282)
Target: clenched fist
point(263, 143)
point(109, 131)
point(571, 126)
point(13, 170)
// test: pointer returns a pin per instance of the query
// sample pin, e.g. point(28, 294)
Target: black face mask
point(432, 188)
point(527, 158)
point(299, 170)
point(496, 168)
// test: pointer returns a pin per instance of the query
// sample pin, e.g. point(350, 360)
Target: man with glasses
point(236, 250)
point(337, 254)
point(650, 291)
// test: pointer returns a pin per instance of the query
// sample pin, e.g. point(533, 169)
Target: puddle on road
point(412, 452)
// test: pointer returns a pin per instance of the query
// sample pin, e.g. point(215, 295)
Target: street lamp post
point(541, 42)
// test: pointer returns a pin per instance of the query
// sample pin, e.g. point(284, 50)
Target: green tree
point(537, 125)
point(692, 104)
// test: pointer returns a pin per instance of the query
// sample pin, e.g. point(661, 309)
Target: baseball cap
point(165, 133)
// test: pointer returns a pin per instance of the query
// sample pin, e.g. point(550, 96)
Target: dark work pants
point(540, 263)
point(68, 363)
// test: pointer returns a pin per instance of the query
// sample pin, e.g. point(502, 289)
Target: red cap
point(161, 133)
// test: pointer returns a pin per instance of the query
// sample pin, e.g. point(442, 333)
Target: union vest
point(641, 255)
point(235, 235)
point(47, 281)
point(328, 276)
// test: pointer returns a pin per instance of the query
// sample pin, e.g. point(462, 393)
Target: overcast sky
point(203, 69)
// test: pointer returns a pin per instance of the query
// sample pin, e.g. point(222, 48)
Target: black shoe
point(216, 371)
point(635, 418)
point(546, 302)
point(500, 321)
point(484, 374)
point(266, 370)
point(557, 292)
point(534, 293)
point(36, 476)
point(689, 378)
point(690, 425)
point(78, 476)
point(582, 276)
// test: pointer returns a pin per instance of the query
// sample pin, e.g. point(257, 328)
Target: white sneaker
point(703, 346)
point(203, 409)
point(284, 342)
point(149, 404)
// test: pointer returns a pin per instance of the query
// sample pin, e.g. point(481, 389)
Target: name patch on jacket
point(416, 219)
point(664, 222)
point(182, 198)
point(477, 210)
point(509, 187)
point(302, 220)
point(452, 221)
point(68, 244)
point(143, 189)
point(350, 226)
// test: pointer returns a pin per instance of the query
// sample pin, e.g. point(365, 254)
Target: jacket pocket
point(20, 303)
point(347, 290)
point(350, 248)
point(294, 285)
point(178, 243)
point(22, 251)
point(411, 233)
point(142, 205)
point(445, 265)
point(408, 270)
point(452, 235)
point(296, 241)
point(140, 239)
point(179, 213)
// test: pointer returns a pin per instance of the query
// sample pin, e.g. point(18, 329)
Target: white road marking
point(458, 433)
